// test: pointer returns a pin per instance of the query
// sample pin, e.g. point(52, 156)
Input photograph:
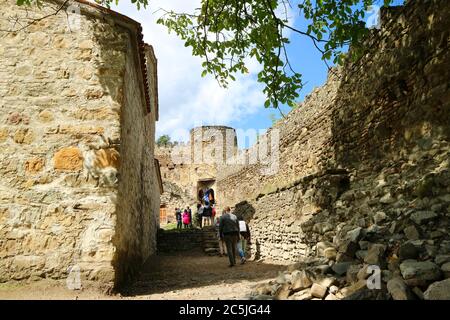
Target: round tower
point(212, 145)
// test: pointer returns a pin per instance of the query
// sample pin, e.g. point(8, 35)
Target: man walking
point(229, 232)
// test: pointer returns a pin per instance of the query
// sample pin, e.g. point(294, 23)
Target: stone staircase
point(189, 240)
point(210, 241)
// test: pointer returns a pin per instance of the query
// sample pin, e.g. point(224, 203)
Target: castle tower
point(211, 146)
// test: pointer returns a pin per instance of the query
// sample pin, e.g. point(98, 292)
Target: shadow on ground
point(195, 270)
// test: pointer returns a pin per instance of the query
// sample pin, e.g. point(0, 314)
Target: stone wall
point(186, 240)
point(138, 194)
point(391, 106)
point(60, 89)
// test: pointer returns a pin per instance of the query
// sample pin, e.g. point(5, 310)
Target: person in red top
point(186, 219)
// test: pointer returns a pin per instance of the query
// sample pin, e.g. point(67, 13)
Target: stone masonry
point(390, 105)
point(66, 82)
point(363, 173)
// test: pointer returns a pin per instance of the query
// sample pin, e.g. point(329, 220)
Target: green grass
point(170, 226)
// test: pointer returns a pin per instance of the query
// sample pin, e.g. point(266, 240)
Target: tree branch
point(33, 21)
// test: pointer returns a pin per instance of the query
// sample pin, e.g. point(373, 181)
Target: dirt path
point(182, 276)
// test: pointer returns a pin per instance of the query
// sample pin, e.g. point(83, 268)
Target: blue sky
point(188, 100)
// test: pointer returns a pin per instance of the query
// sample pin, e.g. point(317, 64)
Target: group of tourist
point(233, 234)
point(184, 218)
point(205, 215)
point(206, 208)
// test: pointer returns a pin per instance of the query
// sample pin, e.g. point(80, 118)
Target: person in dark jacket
point(190, 216)
point(179, 218)
point(229, 232)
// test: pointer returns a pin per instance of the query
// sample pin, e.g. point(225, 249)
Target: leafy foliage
point(164, 141)
point(227, 33)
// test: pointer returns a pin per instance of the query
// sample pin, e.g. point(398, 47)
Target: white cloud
point(187, 99)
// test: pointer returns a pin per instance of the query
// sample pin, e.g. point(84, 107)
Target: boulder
point(363, 273)
point(340, 268)
point(300, 280)
point(442, 258)
point(355, 235)
point(347, 250)
point(322, 246)
point(399, 290)
point(318, 291)
point(330, 253)
point(421, 270)
point(331, 296)
point(352, 273)
point(281, 279)
point(438, 291)
point(379, 217)
point(446, 269)
point(408, 251)
point(411, 233)
point(361, 254)
point(302, 295)
point(348, 291)
point(375, 254)
point(263, 289)
point(326, 282)
point(387, 199)
point(422, 217)
point(283, 292)
point(333, 289)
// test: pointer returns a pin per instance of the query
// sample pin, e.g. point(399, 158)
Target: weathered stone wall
point(187, 240)
point(391, 105)
point(178, 191)
point(304, 148)
point(138, 195)
point(60, 89)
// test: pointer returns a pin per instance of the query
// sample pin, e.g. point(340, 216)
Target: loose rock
point(398, 289)
point(425, 270)
point(318, 290)
point(438, 291)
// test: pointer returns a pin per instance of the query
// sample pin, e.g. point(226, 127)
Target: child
point(186, 219)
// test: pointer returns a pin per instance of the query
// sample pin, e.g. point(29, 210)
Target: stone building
point(187, 168)
point(79, 185)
